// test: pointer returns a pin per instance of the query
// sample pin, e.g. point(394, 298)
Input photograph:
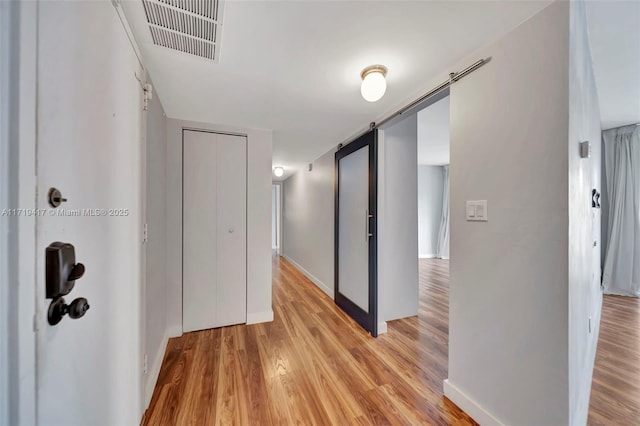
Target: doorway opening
point(276, 218)
point(414, 225)
point(433, 181)
point(433, 202)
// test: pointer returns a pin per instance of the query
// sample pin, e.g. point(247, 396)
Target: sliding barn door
point(355, 231)
point(214, 230)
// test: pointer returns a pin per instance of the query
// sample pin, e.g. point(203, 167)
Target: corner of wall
point(260, 317)
point(329, 291)
point(476, 411)
point(153, 373)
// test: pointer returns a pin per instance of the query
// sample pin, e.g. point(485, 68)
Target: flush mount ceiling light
point(373, 83)
point(278, 171)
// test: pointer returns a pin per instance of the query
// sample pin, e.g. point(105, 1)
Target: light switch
point(471, 211)
point(477, 211)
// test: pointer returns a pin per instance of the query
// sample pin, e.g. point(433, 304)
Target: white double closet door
point(214, 275)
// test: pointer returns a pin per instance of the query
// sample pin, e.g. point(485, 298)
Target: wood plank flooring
point(312, 365)
point(615, 392)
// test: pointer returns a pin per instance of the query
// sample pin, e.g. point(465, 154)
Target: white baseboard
point(322, 286)
point(382, 327)
point(431, 256)
point(154, 371)
point(258, 317)
point(469, 406)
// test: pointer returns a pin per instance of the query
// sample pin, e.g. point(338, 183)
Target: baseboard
point(154, 372)
point(431, 256)
point(469, 406)
point(322, 286)
point(382, 327)
point(258, 317)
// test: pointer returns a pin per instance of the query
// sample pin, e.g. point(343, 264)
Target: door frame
point(19, 53)
point(368, 320)
point(246, 212)
point(278, 218)
point(6, 74)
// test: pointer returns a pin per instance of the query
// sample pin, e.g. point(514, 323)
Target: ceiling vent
point(189, 26)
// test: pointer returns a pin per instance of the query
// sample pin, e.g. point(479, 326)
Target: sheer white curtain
point(621, 272)
point(443, 234)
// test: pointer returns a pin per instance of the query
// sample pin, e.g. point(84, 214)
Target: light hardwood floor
point(615, 393)
point(312, 364)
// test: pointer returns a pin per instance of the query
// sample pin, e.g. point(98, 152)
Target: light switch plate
point(477, 211)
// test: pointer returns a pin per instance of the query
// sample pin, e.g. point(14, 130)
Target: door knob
point(78, 308)
point(59, 308)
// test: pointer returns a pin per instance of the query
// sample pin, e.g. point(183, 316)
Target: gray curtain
point(443, 234)
point(621, 272)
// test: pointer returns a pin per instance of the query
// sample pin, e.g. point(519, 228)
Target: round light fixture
point(373, 83)
point(278, 171)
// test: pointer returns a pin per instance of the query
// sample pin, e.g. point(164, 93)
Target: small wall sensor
point(585, 149)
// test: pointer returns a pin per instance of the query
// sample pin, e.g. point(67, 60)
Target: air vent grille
point(189, 26)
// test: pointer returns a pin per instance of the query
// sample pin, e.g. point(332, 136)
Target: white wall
point(508, 350)
point(430, 188)
point(398, 221)
point(585, 296)
point(308, 221)
point(433, 133)
point(259, 146)
point(156, 256)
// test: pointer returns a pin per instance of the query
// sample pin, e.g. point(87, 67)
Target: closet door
point(214, 230)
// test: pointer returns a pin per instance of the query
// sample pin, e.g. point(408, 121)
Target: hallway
point(312, 364)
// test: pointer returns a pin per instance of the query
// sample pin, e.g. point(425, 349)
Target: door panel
point(355, 236)
point(200, 248)
point(232, 230)
point(215, 230)
point(354, 228)
point(89, 121)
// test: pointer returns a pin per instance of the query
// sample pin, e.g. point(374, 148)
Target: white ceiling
point(294, 66)
point(433, 134)
point(614, 30)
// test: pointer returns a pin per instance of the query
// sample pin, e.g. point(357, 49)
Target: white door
point(214, 230)
point(89, 121)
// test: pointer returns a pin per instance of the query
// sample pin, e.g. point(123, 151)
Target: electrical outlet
point(144, 364)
